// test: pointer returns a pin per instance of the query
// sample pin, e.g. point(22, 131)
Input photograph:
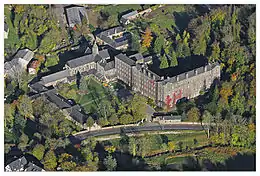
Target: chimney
point(177, 77)
point(168, 77)
point(162, 77)
point(196, 72)
point(186, 75)
point(205, 68)
point(95, 49)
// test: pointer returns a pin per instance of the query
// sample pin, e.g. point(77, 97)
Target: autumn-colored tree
point(171, 146)
point(110, 148)
point(193, 114)
point(226, 91)
point(147, 38)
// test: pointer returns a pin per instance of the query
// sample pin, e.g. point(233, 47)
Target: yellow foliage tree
point(171, 146)
point(226, 91)
point(147, 38)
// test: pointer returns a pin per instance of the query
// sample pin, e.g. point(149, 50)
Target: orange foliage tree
point(147, 38)
point(226, 91)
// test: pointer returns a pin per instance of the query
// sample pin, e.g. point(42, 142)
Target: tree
point(132, 146)
point(110, 149)
point(68, 165)
point(110, 163)
point(138, 108)
point(147, 38)
point(113, 119)
point(9, 113)
point(193, 114)
point(90, 122)
point(23, 141)
point(19, 123)
point(126, 119)
point(155, 28)
point(144, 145)
point(174, 61)
point(25, 106)
point(171, 146)
point(38, 151)
point(207, 118)
point(87, 154)
point(50, 160)
point(158, 44)
point(102, 121)
point(164, 62)
point(215, 94)
point(215, 52)
point(226, 91)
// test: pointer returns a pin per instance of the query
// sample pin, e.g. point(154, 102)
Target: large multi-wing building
point(134, 70)
point(165, 90)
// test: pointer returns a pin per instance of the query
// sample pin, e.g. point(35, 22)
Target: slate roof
point(19, 61)
point(75, 15)
point(113, 43)
point(38, 87)
point(75, 113)
point(25, 54)
point(107, 65)
point(103, 54)
point(83, 74)
point(130, 14)
point(137, 56)
point(125, 59)
point(55, 76)
point(111, 31)
point(22, 164)
point(58, 100)
point(190, 73)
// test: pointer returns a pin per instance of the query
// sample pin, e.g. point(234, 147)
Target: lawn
point(163, 17)
point(95, 93)
point(12, 43)
point(187, 139)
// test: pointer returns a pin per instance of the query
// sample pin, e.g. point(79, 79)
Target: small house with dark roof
point(115, 37)
point(22, 165)
point(75, 15)
point(125, 19)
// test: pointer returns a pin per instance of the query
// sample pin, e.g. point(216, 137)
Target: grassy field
point(95, 93)
point(187, 139)
point(13, 42)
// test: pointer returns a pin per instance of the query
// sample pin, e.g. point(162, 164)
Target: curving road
point(135, 129)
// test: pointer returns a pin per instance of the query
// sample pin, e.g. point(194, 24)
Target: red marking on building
point(168, 101)
point(151, 82)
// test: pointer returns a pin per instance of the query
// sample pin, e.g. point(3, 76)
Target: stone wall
point(123, 71)
point(82, 68)
point(189, 87)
